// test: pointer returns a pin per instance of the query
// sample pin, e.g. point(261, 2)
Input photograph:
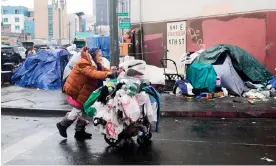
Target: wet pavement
point(17, 99)
point(35, 141)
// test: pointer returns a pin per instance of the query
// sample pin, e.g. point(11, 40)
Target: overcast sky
point(73, 6)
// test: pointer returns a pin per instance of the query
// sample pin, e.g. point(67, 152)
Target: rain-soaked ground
point(35, 141)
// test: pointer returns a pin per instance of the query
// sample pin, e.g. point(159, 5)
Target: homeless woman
point(86, 76)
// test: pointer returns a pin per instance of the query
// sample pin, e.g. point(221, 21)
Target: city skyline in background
point(73, 6)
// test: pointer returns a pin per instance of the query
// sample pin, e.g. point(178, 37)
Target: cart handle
point(165, 59)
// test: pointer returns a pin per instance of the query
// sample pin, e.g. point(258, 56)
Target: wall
point(64, 22)
point(74, 27)
point(83, 25)
point(153, 10)
point(101, 12)
point(271, 42)
point(50, 22)
point(90, 22)
point(237, 30)
point(254, 32)
point(11, 21)
point(11, 10)
point(6, 28)
point(30, 27)
point(41, 18)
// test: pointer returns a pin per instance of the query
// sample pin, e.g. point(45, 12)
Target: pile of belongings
point(226, 70)
point(43, 70)
point(122, 102)
point(153, 74)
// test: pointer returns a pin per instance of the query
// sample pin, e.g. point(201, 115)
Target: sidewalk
point(17, 100)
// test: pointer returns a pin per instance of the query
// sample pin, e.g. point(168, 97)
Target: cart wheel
point(140, 141)
point(111, 141)
point(149, 135)
point(143, 141)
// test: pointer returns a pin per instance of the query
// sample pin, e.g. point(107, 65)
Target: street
point(35, 141)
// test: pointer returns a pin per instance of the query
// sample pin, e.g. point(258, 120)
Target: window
point(5, 12)
point(17, 27)
point(16, 11)
point(6, 20)
point(16, 19)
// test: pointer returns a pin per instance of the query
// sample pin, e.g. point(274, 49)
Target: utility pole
point(122, 8)
point(69, 25)
point(113, 23)
point(59, 26)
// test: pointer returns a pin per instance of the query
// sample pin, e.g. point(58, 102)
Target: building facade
point(198, 24)
point(41, 19)
point(100, 10)
point(73, 26)
point(13, 18)
point(29, 27)
point(90, 23)
point(64, 23)
point(50, 22)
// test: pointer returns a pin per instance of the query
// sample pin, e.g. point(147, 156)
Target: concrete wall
point(271, 41)
point(164, 10)
point(254, 32)
point(41, 18)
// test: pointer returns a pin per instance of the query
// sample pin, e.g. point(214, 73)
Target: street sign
point(123, 14)
point(124, 25)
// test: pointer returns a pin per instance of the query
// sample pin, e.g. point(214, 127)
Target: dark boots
point(80, 129)
point(82, 135)
point(63, 125)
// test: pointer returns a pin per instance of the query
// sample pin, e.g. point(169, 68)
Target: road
point(35, 141)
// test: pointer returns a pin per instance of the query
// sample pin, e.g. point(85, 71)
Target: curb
point(33, 112)
point(224, 114)
point(266, 113)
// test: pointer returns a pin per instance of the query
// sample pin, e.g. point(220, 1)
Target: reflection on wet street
point(180, 141)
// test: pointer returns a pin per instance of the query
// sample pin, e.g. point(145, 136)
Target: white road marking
point(20, 147)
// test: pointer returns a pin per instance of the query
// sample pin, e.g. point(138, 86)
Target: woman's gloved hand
point(112, 74)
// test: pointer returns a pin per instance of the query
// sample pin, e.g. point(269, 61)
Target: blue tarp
point(43, 71)
point(101, 42)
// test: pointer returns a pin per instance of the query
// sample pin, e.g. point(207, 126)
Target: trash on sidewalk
point(250, 101)
point(226, 70)
point(267, 159)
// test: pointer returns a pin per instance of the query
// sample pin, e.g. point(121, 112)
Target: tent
point(202, 76)
point(229, 77)
point(248, 67)
point(43, 71)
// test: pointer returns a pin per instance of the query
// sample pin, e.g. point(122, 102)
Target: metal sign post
point(113, 23)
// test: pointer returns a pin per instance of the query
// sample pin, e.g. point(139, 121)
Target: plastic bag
point(87, 106)
point(130, 107)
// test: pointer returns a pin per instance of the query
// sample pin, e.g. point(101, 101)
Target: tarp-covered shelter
point(229, 77)
point(102, 42)
point(43, 71)
point(248, 67)
point(202, 76)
